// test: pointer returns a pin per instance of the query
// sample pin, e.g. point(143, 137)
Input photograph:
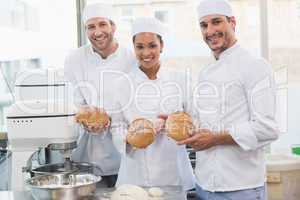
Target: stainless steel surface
point(63, 168)
point(63, 146)
point(58, 187)
point(171, 193)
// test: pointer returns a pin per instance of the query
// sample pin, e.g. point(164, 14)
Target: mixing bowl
point(63, 186)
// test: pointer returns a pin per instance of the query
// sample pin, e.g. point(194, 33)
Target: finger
point(203, 131)
point(107, 125)
point(197, 147)
point(89, 128)
point(190, 140)
point(163, 116)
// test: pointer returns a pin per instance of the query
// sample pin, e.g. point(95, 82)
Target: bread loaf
point(179, 126)
point(141, 133)
point(92, 116)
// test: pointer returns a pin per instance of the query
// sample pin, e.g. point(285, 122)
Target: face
point(147, 47)
point(218, 32)
point(100, 32)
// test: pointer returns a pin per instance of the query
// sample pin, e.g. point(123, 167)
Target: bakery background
point(32, 37)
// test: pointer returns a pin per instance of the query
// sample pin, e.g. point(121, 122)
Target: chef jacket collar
point(96, 55)
point(228, 51)
point(143, 76)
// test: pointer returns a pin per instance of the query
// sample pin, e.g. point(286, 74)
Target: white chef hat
point(149, 25)
point(97, 10)
point(210, 7)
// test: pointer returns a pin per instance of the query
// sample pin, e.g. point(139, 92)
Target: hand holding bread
point(92, 118)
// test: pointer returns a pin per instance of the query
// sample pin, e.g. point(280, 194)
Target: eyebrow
point(213, 19)
point(139, 43)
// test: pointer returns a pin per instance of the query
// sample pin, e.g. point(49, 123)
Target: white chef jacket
point(163, 163)
point(235, 93)
point(92, 77)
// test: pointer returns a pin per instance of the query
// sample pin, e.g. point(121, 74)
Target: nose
point(210, 30)
point(98, 32)
point(146, 52)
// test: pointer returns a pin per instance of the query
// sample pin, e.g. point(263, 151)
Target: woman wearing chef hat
point(149, 90)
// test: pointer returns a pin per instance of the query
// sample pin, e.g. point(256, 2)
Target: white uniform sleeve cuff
point(244, 136)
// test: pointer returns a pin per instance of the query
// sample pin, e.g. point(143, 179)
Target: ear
point(113, 27)
point(233, 22)
point(161, 46)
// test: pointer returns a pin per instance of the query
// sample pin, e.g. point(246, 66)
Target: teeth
point(99, 39)
point(147, 59)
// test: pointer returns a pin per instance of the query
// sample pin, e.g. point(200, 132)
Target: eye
point(216, 22)
point(102, 24)
point(153, 46)
point(91, 27)
point(203, 25)
point(139, 47)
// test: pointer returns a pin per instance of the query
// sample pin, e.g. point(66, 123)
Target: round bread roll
point(141, 133)
point(179, 126)
point(92, 116)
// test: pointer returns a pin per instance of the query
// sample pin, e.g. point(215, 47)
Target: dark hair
point(158, 36)
point(111, 22)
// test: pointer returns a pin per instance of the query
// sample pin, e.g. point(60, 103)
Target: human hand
point(202, 139)
point(93, 119)
point(160, 122)
point(96, 127)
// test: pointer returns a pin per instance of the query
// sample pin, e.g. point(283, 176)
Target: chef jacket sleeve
point(261, 128)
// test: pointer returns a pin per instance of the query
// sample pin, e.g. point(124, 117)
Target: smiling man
point(234, 103)
point(92, 69)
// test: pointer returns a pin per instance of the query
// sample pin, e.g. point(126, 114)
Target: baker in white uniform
point(235, 106)
point(148, 91)
point(92, 70)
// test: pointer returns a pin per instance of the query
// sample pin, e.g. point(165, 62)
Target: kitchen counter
point(171, 193)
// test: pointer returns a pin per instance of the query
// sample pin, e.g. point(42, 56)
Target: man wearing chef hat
point(235, 107)
point(92, 69)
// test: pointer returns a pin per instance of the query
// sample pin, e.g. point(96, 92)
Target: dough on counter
point(129, 192)
point(155, 192)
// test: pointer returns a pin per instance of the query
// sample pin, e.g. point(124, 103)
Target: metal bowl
point(59, 168)
point(63, 187)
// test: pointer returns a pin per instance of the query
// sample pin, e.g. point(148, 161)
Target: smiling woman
point(147, 47)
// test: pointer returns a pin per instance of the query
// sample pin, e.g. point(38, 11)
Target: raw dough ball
point(129, 192)
point(156, 192)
